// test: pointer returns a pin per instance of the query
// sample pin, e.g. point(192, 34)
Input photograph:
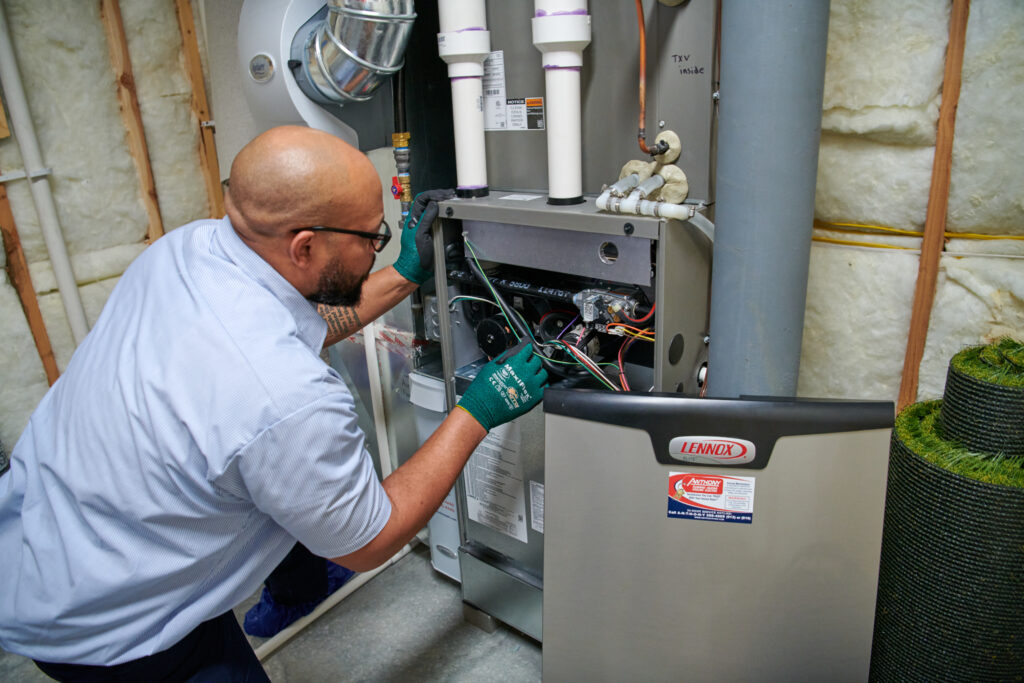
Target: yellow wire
point(631, 331)
point(853, 243)
point(911, 233)
point(636, 330)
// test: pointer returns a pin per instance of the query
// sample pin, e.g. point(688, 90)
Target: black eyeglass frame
point(379, 239)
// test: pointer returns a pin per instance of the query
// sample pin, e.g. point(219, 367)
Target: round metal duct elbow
point(357, 47)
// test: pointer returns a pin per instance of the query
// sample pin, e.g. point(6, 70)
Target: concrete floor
point(404, 625)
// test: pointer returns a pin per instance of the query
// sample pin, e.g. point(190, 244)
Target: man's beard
point(339, 287)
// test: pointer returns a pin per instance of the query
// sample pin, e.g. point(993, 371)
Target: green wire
point(493, 292)
point(599, 378)
point(575, 360)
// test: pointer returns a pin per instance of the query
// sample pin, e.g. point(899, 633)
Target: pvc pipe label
point(495, 117)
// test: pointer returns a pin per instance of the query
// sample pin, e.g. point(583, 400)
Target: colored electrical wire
point(499, 302)
point(631, 331)
point(518, 323)
point(589, 364)
point(567, 327)
point(622, 367)
point(466, 297)
point(862, 227)
point(643, 319)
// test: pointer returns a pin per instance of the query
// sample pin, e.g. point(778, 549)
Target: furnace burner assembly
point(571, 333)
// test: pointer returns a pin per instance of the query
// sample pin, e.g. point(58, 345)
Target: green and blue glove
point(416, 260)
point(507, 387)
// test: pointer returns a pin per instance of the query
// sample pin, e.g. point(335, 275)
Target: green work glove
point(416, 260)
point(507, 387)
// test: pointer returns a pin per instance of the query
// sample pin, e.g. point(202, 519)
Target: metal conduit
point(357, 47)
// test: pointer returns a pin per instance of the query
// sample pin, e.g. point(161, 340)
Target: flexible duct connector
point(357, 47)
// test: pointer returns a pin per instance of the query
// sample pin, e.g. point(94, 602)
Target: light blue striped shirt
point(195, 435)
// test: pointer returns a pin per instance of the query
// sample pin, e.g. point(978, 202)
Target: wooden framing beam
point(938, 202)
point(200, 108)
point(5, 132)
point(127, 97)
point(17, 270)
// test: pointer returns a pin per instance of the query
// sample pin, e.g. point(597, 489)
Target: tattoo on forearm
point(341, 320)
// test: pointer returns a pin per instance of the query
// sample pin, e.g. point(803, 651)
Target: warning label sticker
point(525, 113)
point(710, 497)
point(495, 491)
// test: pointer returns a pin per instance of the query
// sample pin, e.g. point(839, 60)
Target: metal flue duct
point(355, 48)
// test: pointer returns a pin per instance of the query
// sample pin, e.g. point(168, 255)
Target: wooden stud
point(938, 202)
point(200, 108)
point(127, 97)
point(17, 270)
point(5, 132)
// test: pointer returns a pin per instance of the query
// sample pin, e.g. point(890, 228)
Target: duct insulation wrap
point(463, 43)
point(357, 47)
point(561, 31)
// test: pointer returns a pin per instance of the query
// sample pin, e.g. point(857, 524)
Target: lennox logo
point(711, 450)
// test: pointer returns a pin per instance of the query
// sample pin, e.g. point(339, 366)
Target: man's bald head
point(293, 177)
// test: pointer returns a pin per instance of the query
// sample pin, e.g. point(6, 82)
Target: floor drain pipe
point(768, 137)
point(42, 197)
point(463, 43)
point(561, 31)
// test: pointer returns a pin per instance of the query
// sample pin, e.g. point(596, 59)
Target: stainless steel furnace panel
point(767, 573)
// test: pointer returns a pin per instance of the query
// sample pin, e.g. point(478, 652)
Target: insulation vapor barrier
point(71, 89)
point(883, 88)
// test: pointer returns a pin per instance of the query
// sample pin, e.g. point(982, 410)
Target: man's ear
point(300, 249)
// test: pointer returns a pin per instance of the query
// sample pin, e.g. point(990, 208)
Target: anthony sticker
point(710, 497)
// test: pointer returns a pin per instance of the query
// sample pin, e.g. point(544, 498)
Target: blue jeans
point(216, 651)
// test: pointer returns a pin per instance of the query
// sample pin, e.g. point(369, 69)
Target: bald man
point(196, 435)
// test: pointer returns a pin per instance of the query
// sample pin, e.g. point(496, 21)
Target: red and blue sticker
point(710, 497)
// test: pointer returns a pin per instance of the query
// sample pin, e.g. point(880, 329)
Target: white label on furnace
point(537, 506)
point(495, 492)
point(495, 117)
point(521, 197)
point(711, 497)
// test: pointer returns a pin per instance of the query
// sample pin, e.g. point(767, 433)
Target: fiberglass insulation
point(882, 93)
point(65, 66)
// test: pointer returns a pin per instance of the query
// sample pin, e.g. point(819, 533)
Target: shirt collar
point(312, 329)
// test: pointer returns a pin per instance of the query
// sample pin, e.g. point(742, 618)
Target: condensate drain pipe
point(463, 43)
point(561, 31)
point(39, 184)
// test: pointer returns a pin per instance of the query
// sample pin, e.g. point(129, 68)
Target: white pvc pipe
point(464, 43)
point(624, 185)
point(468, 121)
point(563, 120)
point(354, 584)
point(633, 205)
point(459, 15)
point(42, 197)
point(380, 421)
point(561, 31)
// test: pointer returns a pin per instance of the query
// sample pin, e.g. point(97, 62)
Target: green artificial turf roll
point(918, 430)
point(951, 579)
point(983, 403)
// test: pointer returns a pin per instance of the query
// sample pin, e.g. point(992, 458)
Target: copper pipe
point(641, 136)
point(661, 147)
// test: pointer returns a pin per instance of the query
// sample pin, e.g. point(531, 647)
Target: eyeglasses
point(380, 238)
